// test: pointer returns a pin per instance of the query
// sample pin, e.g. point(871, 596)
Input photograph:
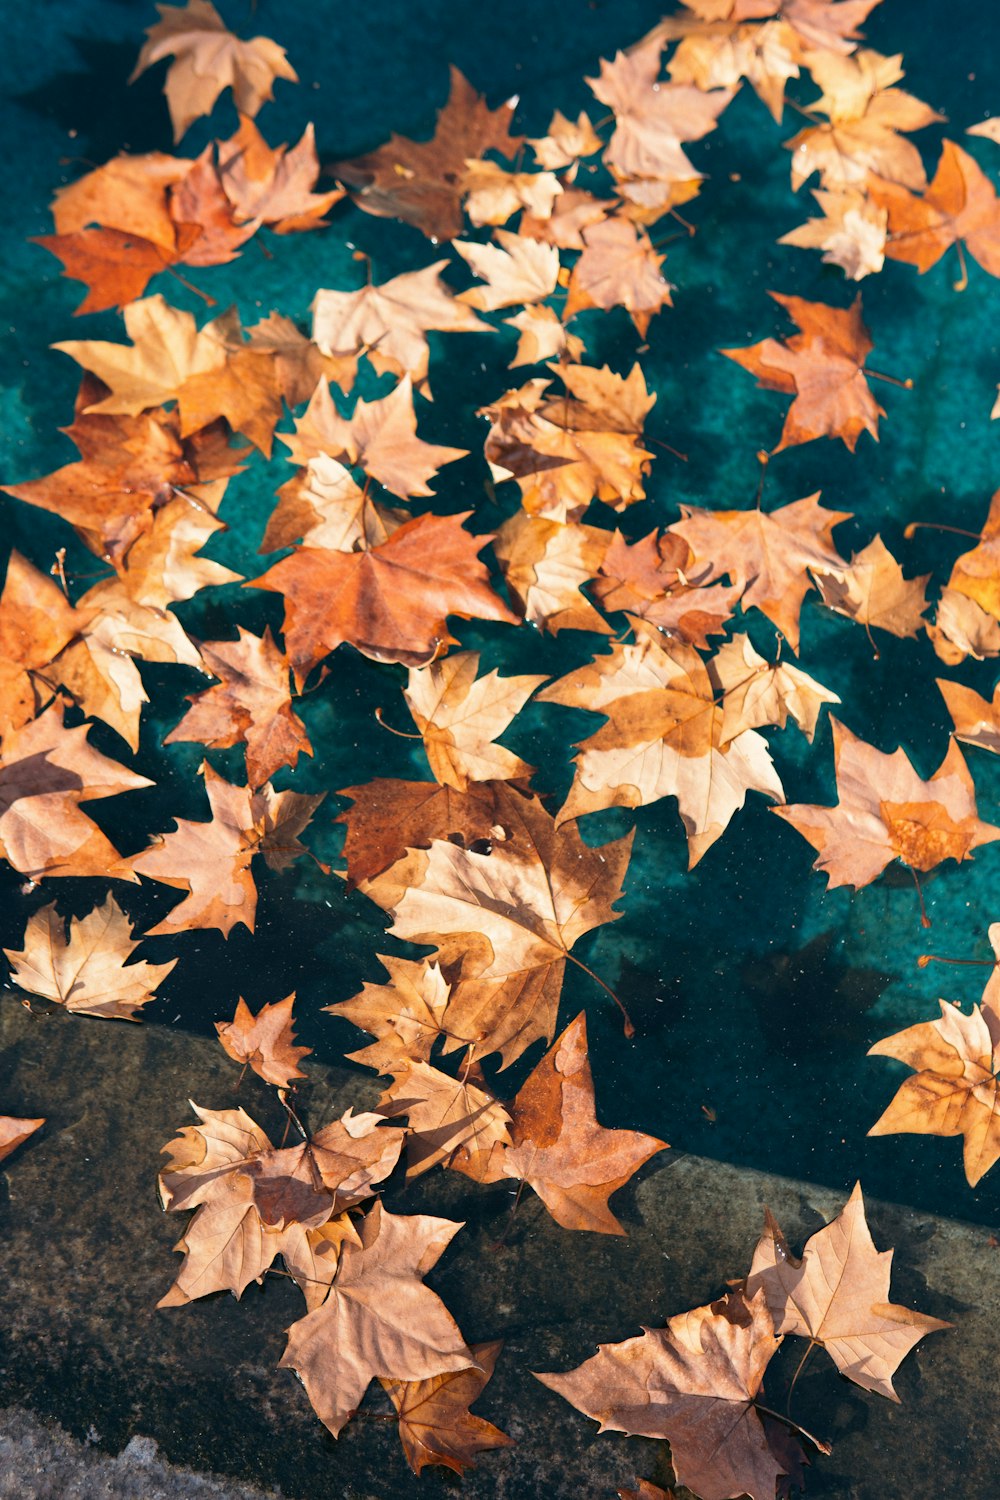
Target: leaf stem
point(963, 280)
point(400, 733)
point(190, 286)
point(629, 1027)
point(925, 920)
point(939, 526)
point(818, 1443)
point(904, 385)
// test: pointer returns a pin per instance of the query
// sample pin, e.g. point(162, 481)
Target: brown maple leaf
point(453, 1122)
point(211, 861)
point(36, 622)
point(255, 1203)
point(837, 1295)
point(656, 579)
point(435, 1424)
point(508, 919)
point(251, 705)
point(873, 591)
point(390, 322)
point(404, 1015)
point(88, 972)
point(323, 505)
point(823, 367)
point(618, 268)
point(265, 1041)
point(46, 771)
point(378, 1320)
point(207, 60)
point(390, 816)
point(695, 1383)
point(14, 1130)
point(959, 207)
point(200, 200)
point(866, 115)
point(887, 812)
point(117, 266)
point(391, 601)
point(545, 563)
point(663, 738)
point(422, 182)
point(274, 186)
point(380, 437)
point(573, 1163)
point(768, 556)
point(460, 715)
point(954, 1087)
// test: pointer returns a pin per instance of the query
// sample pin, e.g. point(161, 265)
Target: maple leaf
point(207, 60)
point(14, 1130)
point(663, 738)
point(255, 1203)
point(422, 182)
point(719, 48)
point(756, 693)
point(492, 194)
point(652, 119)
point(211, 861)
point(768, 557)
point(653, 578)
point(566, 451)
point(36, 622)
point(851, 233)
point(459, 716)
point(976, 574)
point(391, 601)
point(566, 141)
point(962, 628)
point(116, 266)
point(954, 1088)
point(453, 1122)
point(516, 269)
point(837, 1295)
point(958, 207)
point(509, 917)
point(976, 720)
point(200, 199)
point(389, 817)
point(389, 322)
point(324, 506)
point(573, 1163)
point(251, 705)
point(88, 972)
point(866, 116)
point(274, 186)
point(887, 812)
point(572, 212)
point(823, 367)
point(545, 563)
point(265, 1041)
point(404, 1015)
point(873, 591)
point(694, 1383)
point(378, 1320)
point(127, 193)
point(542, 337)
point(435, 1424)
point(380, 436)
point(618, 268)
point(46, 771)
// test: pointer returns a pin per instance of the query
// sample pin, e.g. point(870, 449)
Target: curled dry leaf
point(422, 182)
point(695, 1383)
point(435, 1424)
point(453, 1122)
point(390, 601)
point(963, 628)
point(379, 1320)
point(545, 563)
point(251, 705)
point(887, 812)
point(274, 186)
point(655, 579)
point(573, 1163)
point(207, 60)
point(322, 505)
point(873, 591)
point(769, 557)
point(566, 141)
point(837, 1295)
point(46, 771)
point(255, 1203)
point(542, 337)
point(976, 720)
point(459, 716)
point(823, 367)
point(851, 233)
point(406, 1015)
point(265, 1041)
point(389, 322)
point(211, 861)
point(87, 972)
point(755, 693)
point(954, 1088)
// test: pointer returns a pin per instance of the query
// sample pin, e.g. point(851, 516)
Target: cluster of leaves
point(472, 864)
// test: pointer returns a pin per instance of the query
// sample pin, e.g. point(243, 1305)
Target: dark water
point(755, 993)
